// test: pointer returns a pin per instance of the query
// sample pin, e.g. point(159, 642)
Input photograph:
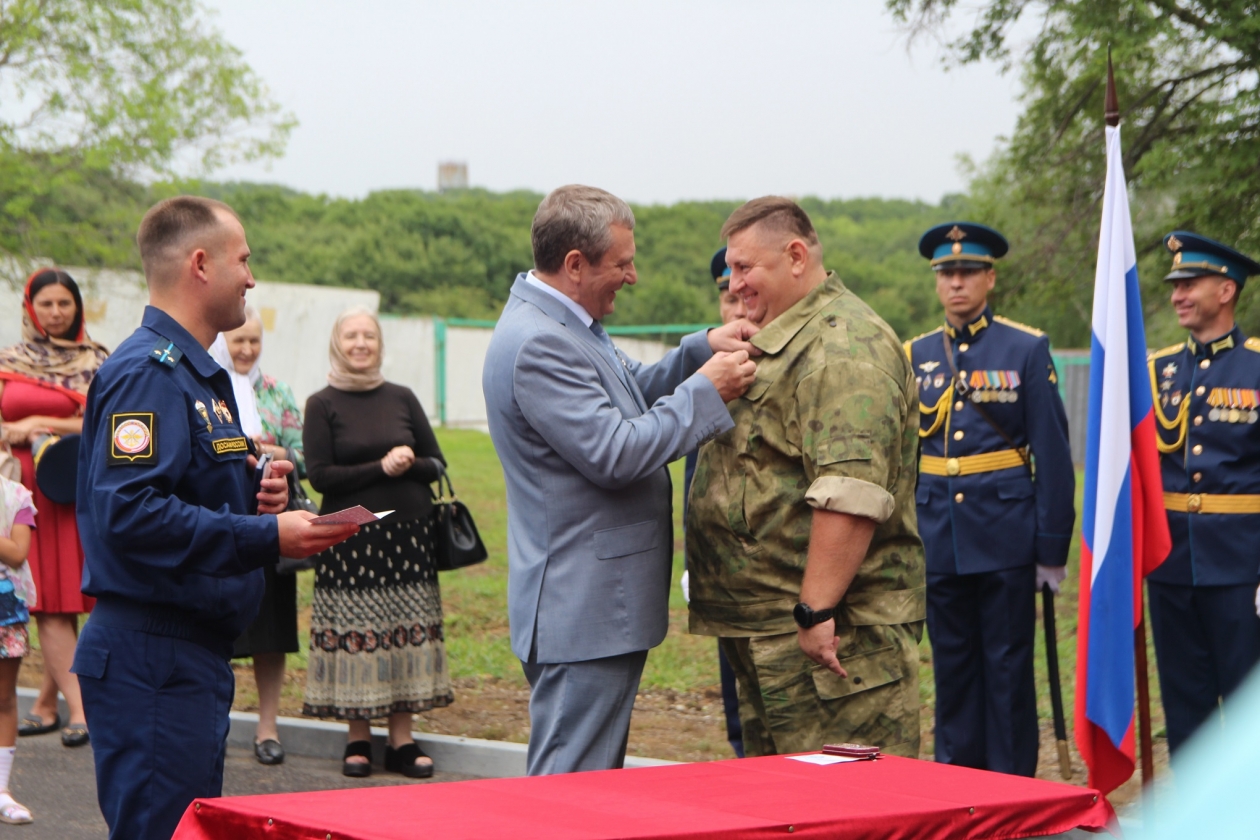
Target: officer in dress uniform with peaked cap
point(1206, 389)
point(174, 532)
point(995, 502)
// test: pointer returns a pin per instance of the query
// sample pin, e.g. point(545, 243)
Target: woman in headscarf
point(269, 414)
point(377, 647)
point(45, 380)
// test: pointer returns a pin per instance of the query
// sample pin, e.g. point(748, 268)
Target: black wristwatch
point(806, 616)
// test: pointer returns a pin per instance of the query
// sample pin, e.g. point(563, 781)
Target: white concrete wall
point(410, 358)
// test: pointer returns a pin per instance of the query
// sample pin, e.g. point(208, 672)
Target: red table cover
point(749, 798)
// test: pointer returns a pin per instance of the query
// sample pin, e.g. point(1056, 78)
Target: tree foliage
point(1186, 73)
point(456, 254)
point(110, 91)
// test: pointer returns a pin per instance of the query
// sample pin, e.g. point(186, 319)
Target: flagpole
point(1111, 113)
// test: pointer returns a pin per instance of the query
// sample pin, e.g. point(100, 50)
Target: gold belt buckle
point(952, 467)
point(1195, 503)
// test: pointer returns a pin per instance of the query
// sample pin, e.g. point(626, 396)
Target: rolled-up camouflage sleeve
point(850, 415)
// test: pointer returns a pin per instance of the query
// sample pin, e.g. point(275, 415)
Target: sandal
point(357, 769)
point(34, 725)
point(13, 812)
point(403, 760)
point(74, 735)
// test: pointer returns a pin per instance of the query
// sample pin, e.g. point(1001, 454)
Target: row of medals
point(1233, 415)
point(993, 395)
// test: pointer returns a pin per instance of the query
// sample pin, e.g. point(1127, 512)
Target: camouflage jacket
point(832, 423)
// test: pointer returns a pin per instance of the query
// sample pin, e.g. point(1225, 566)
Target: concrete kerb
point(323, 739)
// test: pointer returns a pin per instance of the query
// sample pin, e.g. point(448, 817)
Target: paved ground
point(59, 785)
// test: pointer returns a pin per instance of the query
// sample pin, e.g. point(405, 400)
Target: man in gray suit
point(584, 435)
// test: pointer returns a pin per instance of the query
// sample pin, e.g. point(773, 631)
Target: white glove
point(1258, 600)
point(685, 583)
point(1054, 575)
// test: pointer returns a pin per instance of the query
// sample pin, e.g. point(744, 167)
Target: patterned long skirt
point(376, 626)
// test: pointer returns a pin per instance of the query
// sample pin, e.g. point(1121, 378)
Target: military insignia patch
point(233, 444)
point(928, 367)
point(133, 438)
point(939, 380)
point(1174, 244)
point(166, 353)
point(221, 405)
point(1169, 371)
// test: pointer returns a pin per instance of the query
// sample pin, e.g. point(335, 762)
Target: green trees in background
point(456, 254)
point(1186, 74)
point(100, 92)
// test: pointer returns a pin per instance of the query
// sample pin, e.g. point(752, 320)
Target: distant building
point(452, 175)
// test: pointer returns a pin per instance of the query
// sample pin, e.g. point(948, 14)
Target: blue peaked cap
point(720, 270)
point(963, 245)
point(1194, 256)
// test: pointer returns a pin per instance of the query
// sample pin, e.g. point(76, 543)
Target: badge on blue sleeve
point(133, 438)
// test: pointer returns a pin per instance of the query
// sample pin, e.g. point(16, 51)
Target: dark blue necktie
point(598, 329)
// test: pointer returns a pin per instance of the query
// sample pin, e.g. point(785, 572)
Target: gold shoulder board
point(1017, 325)
point(911, 342)
point(1176, 348)
point(1252, 344)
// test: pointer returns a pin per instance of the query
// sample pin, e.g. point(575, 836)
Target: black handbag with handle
point(298, 500)
point(456, 542)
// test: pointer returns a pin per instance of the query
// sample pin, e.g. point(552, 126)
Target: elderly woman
point(377, 646)
point(270, 415)
point(44, 381)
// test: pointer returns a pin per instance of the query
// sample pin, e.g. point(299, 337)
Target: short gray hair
point(576, 218)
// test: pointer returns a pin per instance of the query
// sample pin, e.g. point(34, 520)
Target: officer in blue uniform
point(174, 532)
point(1206, 391)
point(995, 503)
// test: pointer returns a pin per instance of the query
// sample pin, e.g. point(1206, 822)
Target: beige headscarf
point(343, 377)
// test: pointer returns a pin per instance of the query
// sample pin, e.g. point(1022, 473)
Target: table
point(772, 796)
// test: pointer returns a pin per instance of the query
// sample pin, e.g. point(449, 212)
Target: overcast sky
point(655, 101)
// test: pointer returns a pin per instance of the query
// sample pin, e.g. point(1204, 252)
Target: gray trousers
point(579, 713)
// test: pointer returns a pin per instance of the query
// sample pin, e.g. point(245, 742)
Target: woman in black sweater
point(377, 646)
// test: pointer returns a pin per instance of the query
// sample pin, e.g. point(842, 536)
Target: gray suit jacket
point(590, 520)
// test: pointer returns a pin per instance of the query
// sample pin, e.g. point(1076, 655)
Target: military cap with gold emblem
point(956, 245)
point(1195, 256)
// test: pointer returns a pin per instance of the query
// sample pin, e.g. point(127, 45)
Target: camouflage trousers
point(789, 704)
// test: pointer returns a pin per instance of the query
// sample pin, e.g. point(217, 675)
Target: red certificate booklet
point(357, 515)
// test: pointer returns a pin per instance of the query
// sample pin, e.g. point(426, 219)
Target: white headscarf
point(242, 388)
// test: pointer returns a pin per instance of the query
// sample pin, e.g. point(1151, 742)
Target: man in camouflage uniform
point(802, 541)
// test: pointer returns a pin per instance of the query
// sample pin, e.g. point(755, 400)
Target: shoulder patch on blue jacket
point(166, 353)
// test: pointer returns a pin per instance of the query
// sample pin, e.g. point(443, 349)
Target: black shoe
point(74, 735)
point(357, 769)
point(269, 751)
point(34, 725)
point(403, 760)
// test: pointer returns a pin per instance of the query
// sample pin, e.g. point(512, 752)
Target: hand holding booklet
point(357, 515)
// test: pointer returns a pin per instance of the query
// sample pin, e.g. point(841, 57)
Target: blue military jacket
point(998, 519)
point(1207, 407)
point(165, 498)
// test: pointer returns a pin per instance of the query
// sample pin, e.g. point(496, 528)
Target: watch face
point(804, 615)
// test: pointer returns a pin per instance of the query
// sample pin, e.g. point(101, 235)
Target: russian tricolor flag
point(1124, 533)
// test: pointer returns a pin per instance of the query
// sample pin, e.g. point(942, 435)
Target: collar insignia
point(1224, 344)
